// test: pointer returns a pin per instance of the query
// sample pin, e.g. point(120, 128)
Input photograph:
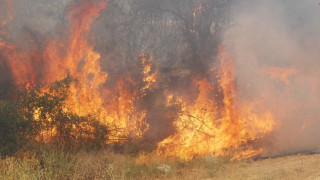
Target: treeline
point(38, 115)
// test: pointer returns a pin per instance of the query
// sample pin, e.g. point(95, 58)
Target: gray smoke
point(274, 36)
point(265, 35)
point(181, 37)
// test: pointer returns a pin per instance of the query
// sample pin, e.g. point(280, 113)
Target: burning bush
point(40, 113)
point(187, 77)
point(54, 121)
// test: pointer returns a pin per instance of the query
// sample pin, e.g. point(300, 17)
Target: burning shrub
point(53, 122)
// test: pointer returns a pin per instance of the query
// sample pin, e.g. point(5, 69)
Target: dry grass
point(106, 165)
point(289, 167)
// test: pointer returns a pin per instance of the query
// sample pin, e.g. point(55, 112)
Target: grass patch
point(52, 163)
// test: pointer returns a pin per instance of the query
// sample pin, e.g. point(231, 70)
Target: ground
point(106, 165)
point(289, 167)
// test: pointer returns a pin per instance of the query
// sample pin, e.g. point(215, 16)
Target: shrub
point(14, 131)
point(45, 105)
point(39, 113)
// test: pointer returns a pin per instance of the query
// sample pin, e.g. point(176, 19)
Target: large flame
point(77, 57)
point(203, 128)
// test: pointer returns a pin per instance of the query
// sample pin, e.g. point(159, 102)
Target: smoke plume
point(160, 71)
point(276, 48)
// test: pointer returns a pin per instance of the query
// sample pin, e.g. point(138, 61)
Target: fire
point(196, 10)
point(149, 78)
point(121, 109)
point(77, 57)
point(123, 115)
point(203, 128)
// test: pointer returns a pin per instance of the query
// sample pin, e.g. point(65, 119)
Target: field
point(171, 89)
point(107, 165)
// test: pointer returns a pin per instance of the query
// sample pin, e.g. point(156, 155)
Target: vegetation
point(14, 131)
point(42, 139)
point(53, 164)
point(38, 115)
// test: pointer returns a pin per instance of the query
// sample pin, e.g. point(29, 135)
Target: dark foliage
point(14, 131)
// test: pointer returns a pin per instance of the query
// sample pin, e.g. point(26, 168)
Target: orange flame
point(203, 127)
point(200, 129)
point(197, 10)
point(78, 57)
point(149, 78)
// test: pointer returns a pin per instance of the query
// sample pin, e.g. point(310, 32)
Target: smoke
point(276, 48)
point(275, 45)
point(181, 35)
